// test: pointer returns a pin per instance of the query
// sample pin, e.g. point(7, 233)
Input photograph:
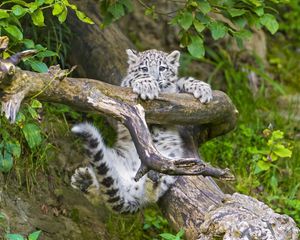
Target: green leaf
point(186, 20)
point(180, 233)
point(127, 4)
point(3, 14)
point(32, 134)
point(46, 53)
point(36, 104)
point(37, 66)
point(57, 9)
point(18, 10)
point(240, 21)
point(14, 237)
point(14, 32)
point(29, 44)
point(49, 1)
point(282, 151)
point(198, 26)
point(218, 30)
point(13, 148)
point(264, 166)
point(270, 22)
point(204, 6)
point(243, 34)
point(196, 48)
point(33, 113)
point(6, 161)
point(235, 12)
point(35, 235)
point(167, 236)
point(117, 10)
point(33, 7)
point(82, 17)
point(276, 135)
point(259, 11)
point(40, 2)
point(38, 18)
point(63, 15)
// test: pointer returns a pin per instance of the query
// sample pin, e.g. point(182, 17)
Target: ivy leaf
point(196, 48)
point(204, 6)
point(3, 14)
point(14, 31)
point(82, 17)
point(38, 18)
point(32, 134)
point(218, 30)
point(18, 10)
point(235, 12)
point(186, 20)
point(270, 22)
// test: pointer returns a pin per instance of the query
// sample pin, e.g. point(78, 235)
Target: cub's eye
point(144, 69)
point(162, 68)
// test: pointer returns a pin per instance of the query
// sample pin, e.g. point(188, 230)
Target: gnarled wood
point(110, 100)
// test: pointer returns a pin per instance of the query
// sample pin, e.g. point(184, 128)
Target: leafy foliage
point(195, 17)
point(33, 236)
point(14, 12)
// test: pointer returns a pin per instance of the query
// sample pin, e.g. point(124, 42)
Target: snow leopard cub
point(111, 171)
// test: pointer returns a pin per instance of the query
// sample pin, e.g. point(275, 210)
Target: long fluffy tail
point(93, 141)
point(109, 180)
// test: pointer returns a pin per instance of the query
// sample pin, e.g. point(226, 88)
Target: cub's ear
point(173, 58)
point(132, 56)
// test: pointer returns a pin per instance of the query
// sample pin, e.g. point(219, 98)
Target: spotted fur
point(111, 171)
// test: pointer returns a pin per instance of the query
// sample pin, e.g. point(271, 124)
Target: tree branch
point(122, 104)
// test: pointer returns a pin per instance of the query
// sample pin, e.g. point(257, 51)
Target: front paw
point(146, 88)
point(203, 92)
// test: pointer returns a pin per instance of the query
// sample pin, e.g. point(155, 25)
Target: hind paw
point(84, 179)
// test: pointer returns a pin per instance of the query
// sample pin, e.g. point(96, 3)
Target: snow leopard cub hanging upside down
point(111, 171)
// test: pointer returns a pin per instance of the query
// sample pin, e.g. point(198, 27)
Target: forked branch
point(122, 104)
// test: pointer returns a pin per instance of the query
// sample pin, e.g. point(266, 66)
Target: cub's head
point(160, 65)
